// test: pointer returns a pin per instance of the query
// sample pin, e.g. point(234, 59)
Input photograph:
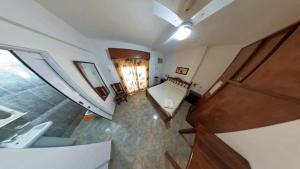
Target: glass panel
point(29, 106)
point(129, 77)
point(142, 79)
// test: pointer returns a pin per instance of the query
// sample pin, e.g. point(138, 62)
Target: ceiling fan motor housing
point(188, 24)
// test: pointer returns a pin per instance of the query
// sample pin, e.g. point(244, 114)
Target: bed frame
point(165, 116)
point(180, 82)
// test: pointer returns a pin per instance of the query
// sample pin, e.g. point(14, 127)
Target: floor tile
point(5, 134)
point(26, 102)
point(14, 83)
point(138, 140)
point(48, 94)
point(3, 92)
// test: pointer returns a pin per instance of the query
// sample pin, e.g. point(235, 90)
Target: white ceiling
point(131, 20)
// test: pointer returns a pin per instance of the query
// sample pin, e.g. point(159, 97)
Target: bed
point(168, 96)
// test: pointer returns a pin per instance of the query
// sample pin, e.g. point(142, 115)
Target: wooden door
point(261, 87)
point(280, 75)
point(210, 152)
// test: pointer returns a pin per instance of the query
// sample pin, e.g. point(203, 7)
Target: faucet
point(9, 140)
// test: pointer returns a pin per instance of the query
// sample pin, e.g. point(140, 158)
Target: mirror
point(90, 73)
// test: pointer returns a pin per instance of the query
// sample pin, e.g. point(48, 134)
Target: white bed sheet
point(165, 91)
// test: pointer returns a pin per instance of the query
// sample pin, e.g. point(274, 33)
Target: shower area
point(31, 110)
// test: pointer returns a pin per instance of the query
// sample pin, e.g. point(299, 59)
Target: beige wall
point(273, 147)
point(206, 64)
point(213, 65)
point(189, 58)
point(90, 156)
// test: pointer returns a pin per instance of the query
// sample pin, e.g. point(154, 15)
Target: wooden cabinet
point(261, 87)
point(241, 59)
point(210, 152)
point(281, 73)
point(236, 108)
point(262, 53)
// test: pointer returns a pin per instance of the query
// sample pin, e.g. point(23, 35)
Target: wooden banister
point(187, 131)
point(172, 161)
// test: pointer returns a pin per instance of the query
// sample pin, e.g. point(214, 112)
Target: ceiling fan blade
point(165, 38)
point(166, 14)
point(209, 9)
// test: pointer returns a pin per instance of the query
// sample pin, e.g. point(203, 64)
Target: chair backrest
point(102, 91)
point(118, 88)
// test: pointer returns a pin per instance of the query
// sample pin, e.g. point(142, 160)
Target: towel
point(168, 103)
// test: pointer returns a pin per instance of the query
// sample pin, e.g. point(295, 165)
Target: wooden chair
point(120, 92)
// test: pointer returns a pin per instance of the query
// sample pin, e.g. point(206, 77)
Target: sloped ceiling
point(131, 20)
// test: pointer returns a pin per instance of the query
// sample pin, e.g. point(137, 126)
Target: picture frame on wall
point(182, 70)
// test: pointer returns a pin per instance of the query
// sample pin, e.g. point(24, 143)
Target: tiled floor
point(138, 140)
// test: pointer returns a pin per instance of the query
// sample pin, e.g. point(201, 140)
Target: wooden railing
point(172, 161)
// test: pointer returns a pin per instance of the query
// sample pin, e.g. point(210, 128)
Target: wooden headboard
point(180, 82)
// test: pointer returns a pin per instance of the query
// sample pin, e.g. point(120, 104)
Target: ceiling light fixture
point(183, 32)
point(183, 28)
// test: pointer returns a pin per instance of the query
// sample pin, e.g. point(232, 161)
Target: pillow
point(168, 103)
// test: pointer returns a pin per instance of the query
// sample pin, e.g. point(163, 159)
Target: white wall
point(101, 46)
point(91, 156)
point(38, 63)
point(189, 58)
point(30, 14)
point(29, 25)
point(156, 69)
point(206, 64)
point(273, 147)
point(22, 24)
point(213, 65)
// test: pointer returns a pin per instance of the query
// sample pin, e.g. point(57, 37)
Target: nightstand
point(162, 80)
point(193, 97)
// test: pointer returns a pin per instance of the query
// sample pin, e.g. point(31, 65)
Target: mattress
point(168, 95)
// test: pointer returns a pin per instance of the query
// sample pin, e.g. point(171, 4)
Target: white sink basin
point(28, 138)
point(12, 115)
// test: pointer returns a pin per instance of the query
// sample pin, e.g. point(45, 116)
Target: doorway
point(133, 74)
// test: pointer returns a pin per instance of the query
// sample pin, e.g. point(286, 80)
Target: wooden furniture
point(119, 53)
point(90, 73)
point(193, 97)
point(180, 82)
point(210, 152)
point(162, 80)
point(156, 81)
point(261, 87)
point(132, 67)
point(120, 92)
point(165, 115)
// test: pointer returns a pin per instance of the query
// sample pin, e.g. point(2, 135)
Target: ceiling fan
point(184, 28)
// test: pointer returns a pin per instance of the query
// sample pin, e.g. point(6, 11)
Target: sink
point(28, 138)
point(4, 114)
point(8, 115)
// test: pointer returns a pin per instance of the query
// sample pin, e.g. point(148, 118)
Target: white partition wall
point(25, 24)
point(91, 156)
point(40, 64)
